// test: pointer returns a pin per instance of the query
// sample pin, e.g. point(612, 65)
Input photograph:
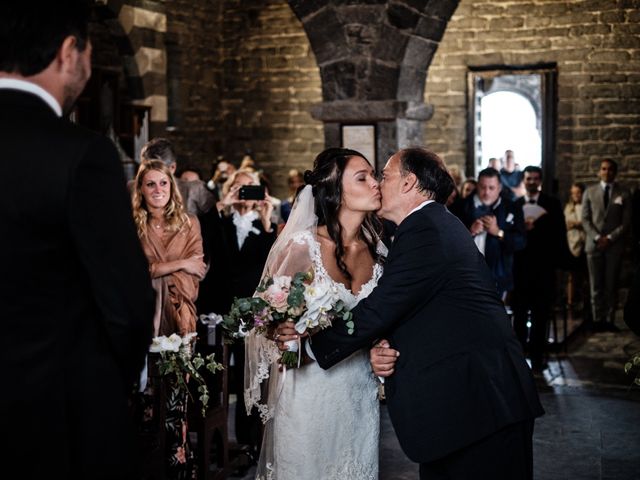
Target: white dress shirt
point(30, 87)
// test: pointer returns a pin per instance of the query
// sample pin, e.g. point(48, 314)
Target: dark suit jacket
point(499, 253)
point(214, 292)
point(75, 293)
point(245, 264)
point(461, 374)
point(545, 251)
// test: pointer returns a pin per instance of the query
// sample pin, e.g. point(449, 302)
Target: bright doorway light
point(509, 122)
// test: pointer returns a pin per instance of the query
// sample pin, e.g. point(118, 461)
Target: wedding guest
point(495, 163)
point(77, 302)
point(457, 175)
point(189, 174)
point(606, 218)
point(534, 266)
point(576, 238)
point(249, 234)
point(276, 213)
point(511, 177)
point(295, 180)
point(172, 243)
point(196, 198)
point(221, 173)
point(468, 188)
point(497, 227)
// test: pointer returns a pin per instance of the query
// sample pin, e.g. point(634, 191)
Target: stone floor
point(591, 429)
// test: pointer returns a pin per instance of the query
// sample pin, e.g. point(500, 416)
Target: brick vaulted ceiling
point(376, 49)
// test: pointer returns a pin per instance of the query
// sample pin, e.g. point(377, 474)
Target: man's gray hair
point(159, 149)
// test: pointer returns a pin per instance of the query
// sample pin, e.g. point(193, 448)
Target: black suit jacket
point(245, 264)
point(546, 249)
point(499, 253)
point(461, 374)
point(75, 293)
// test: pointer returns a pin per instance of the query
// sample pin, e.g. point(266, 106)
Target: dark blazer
point(461, 374)
point(75, 293)
point(499, 253)
point(245, 264)
point(214, 291)
point(546, 248)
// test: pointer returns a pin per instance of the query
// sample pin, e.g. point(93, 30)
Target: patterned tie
point(606, 196)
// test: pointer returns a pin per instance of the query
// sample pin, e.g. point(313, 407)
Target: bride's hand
point(284, 332)
point(383, 359)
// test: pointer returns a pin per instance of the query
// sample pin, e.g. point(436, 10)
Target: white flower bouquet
point(306, 301)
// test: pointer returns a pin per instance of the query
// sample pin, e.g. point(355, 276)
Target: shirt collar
point(603, 185)
point(535, 197)
point(477, 203)
point(30, 87)
point(426, 202)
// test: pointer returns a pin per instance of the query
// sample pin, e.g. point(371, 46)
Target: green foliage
point(632, 367)
point(179, 366)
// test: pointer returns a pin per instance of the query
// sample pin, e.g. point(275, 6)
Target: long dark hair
point(326, 181)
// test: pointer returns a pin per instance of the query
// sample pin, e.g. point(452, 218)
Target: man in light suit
point(606, 217)
point(75, 294)
point(462, 398)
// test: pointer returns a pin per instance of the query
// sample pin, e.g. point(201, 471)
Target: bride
point(322, 424)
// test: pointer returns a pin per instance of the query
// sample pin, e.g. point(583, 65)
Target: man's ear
point(67, 53)
point(409, 182)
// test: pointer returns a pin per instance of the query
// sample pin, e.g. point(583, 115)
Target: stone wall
point(596, 45)
point(242, 77)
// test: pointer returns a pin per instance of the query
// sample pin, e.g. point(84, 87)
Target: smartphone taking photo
point(251, 192)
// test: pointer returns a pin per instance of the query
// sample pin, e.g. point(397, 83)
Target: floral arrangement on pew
point(302, 299)
point(178, 363)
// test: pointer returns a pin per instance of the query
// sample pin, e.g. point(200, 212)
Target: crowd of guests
point(207, 244)
point(529, 240)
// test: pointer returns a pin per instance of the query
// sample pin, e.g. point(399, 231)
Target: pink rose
point(277, 293)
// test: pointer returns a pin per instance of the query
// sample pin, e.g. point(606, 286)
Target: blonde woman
point(172, 242)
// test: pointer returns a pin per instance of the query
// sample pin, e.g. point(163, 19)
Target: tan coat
point(176, 292)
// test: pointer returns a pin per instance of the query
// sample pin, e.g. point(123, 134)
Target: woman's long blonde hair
point(175, 215)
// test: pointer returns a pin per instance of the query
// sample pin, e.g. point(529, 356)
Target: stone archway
point(143, 55)
point(373, 59)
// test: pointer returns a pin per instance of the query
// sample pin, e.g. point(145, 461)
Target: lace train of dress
point(326, 423)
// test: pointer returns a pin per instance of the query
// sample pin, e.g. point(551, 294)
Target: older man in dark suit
point(606, 218)
point(76, 298)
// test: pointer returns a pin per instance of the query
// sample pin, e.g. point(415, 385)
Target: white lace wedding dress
point(325, 424)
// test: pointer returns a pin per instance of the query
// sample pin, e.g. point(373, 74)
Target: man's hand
point(490, 223)
point(603, 243)
point(383, 359)
point(477, 227)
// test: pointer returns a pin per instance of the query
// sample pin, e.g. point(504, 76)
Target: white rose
point(163, 344)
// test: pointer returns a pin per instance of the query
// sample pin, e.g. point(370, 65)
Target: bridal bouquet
point(301, 299)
